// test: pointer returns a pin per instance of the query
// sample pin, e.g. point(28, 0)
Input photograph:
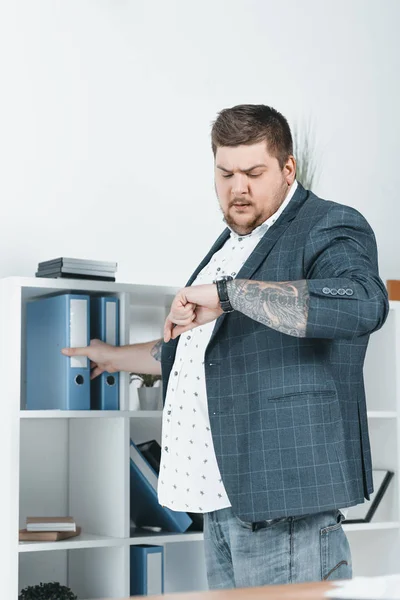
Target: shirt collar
point(261, 229)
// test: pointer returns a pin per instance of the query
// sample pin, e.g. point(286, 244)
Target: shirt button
point(240, 239)
point(326, 290)
point(233, 274)
point(166, 448)
point(219, 268)
point(188, 337)
point(176, 373)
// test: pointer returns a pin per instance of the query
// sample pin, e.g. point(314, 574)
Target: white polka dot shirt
point(189, 478)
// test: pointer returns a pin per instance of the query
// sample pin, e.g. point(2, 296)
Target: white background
point(106, 107)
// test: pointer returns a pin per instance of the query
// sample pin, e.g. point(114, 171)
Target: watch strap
point(223, 293)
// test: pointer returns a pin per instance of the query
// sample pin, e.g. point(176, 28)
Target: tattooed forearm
point(156, 350)
point(282, 306)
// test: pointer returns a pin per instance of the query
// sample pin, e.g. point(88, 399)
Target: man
point(264, 423)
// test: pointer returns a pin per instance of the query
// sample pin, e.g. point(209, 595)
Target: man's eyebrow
point(242, 170)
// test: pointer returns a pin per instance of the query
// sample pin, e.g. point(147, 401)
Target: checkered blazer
point(288, 415)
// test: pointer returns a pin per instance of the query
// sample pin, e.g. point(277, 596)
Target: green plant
point(47, 591)
point(146, 379)
point(304, 152)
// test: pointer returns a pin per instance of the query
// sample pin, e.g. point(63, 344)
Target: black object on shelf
point(152, 452)
point(77, 268)
point(363, 513)
point(77, 263)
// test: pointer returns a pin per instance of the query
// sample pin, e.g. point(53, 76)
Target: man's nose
point(239, 184)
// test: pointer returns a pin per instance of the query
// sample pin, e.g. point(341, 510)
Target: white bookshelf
point(77, 462)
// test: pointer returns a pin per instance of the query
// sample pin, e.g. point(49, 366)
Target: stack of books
point(77, 268)
point(49, 529)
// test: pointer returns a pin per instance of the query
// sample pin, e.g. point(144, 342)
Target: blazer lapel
point(217, 245)
point(268, 241)
point(169, 349)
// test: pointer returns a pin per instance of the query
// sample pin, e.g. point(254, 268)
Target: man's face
point(250, 184)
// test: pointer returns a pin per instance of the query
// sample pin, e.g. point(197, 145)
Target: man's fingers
point(168, 325)
point(95, 372)
point(183, 322)
point(187, 310)
point(75, 351)
point(181, 314)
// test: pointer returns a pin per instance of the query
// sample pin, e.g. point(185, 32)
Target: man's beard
point(246, 227)
point(253, 222)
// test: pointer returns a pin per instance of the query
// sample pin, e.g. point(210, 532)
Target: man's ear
point(290, 170)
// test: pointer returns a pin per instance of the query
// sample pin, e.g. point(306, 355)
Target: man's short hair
point(252, 123)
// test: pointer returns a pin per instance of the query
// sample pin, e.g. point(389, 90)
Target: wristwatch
point(223, 293)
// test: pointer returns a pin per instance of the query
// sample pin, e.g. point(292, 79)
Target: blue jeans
point(287, 550)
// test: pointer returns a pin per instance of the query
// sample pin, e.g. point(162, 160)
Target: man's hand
point(192, 306)
point(101, 356)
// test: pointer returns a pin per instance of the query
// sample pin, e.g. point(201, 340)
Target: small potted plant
point(47, 591)
point(150, 396)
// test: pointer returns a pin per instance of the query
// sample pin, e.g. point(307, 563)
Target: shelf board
point(89, 414)
point(84, 540)
point(141, 294)
point(166, 538)
point(381, 414)
point(87, 540)
point(147, 414)
point(371, 526)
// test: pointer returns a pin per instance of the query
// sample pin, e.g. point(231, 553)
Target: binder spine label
point(111, 323)
point(155, 573)
point(78, 314)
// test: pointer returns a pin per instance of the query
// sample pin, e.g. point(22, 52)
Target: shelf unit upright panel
point(146, 324)
point(10, 365)
point(99, 572)
point(380, 366)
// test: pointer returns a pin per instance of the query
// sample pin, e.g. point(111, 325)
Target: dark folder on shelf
point(104, 326)
point(146, 511)
point(152, 452)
